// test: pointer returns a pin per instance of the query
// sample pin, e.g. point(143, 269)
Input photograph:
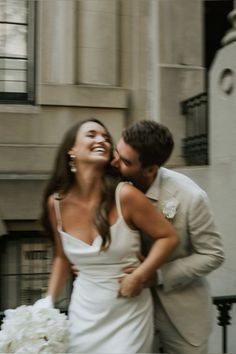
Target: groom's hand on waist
point(75, 270)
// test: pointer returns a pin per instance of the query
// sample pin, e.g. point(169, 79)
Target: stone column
point(138, 56)
point(98, 42)
point(223, 99)
point(162, 60)
point(57, 46)
point(222, 129)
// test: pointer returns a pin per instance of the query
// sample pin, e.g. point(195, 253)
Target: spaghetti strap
point(57, 211)
point(117, 196)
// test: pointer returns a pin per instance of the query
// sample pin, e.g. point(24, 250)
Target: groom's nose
point(115, 162)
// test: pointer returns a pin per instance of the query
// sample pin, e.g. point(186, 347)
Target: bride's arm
point(61, 266)
point(140, 214)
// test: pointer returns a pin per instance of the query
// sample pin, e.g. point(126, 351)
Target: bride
point(95, 220)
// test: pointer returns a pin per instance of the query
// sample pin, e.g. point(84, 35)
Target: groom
point(183, 301)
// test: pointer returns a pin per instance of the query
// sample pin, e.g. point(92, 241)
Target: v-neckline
point(95, 238)
point(81, 241)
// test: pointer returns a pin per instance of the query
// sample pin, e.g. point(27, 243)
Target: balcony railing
point(195, 143)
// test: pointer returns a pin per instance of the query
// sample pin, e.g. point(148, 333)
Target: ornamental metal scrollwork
point(226, 81)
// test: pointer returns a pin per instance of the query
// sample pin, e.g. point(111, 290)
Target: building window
point(25, 265)
point(17, 52)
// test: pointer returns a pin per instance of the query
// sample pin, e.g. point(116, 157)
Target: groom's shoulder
point(178, 181)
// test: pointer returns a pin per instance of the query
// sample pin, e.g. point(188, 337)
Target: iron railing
point(195, 143)
point(224, 305)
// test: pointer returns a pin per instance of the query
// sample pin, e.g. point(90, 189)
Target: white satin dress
point(101, 322)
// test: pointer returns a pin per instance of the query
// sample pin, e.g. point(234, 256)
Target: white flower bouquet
point(31, 329)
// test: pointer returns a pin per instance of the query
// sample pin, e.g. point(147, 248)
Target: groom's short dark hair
point(153, 142)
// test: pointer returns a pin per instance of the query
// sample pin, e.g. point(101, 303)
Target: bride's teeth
point(99, 150)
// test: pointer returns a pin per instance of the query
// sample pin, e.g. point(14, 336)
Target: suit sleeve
point(206, 250)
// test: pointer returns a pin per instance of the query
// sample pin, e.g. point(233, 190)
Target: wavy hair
point(153, 142)
point(62, 179)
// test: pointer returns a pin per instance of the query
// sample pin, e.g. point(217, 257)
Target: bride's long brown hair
point(62, 179)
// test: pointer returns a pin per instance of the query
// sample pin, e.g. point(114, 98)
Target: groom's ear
point(150, 171)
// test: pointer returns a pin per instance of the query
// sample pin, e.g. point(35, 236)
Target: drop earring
point(72, 164)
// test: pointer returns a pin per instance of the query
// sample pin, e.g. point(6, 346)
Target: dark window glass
point(17, 31)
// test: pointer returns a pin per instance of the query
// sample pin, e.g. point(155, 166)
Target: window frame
point(27, 97)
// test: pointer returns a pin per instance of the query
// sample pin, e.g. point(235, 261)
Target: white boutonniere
point(169, 208)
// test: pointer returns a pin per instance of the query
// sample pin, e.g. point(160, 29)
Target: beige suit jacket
point(185, 293)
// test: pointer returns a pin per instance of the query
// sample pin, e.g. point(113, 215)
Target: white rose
point(30, 329)
point(4, 342)
point(169, 208)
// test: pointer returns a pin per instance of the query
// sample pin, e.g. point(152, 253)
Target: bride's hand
point(150, 281)
point(130, 286)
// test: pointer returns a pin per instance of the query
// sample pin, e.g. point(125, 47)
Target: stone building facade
point(116, 60)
